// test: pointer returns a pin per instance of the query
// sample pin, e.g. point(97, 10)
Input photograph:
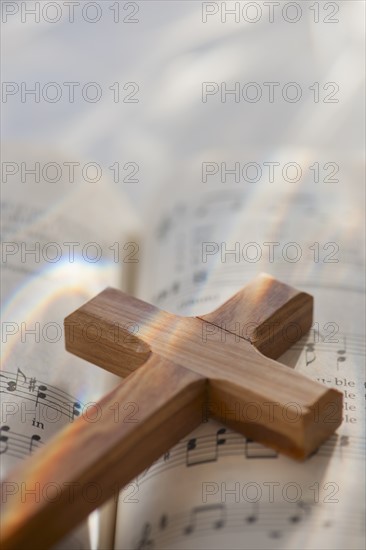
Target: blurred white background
point(167, 51)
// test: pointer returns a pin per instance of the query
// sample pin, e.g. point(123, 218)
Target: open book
point(215, 489)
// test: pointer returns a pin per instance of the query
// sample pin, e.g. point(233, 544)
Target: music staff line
point(229, 279)
point(274, 520)
point(224, 443)
point(284, 272)
point(18, 445)
point(40, 393)
point(346, 343)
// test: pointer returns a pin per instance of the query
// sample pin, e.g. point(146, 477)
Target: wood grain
point(269, 314)
point(88, 462)
point(178, 371)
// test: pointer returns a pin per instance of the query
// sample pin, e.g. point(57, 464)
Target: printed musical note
point(206, 452)
point(202, 450)
point(353, 344)
point(341, 353)
point(17, 445)
point(41, 394)
point(210, 515)
point(220, 440)
point(38, 393)
point(76, 409)
point(253, 516)
point(298, 515)
point(310, 355)
point(226, 443)
point(265, 520)
point(145, 543)
point(12, 385)
point(191, 446)
point(33, 439)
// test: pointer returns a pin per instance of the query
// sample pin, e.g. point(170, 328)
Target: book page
point(55, 257)
point(217, 489)
point(274, 187)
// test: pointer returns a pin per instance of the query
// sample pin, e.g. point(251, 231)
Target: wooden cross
point(178, 370)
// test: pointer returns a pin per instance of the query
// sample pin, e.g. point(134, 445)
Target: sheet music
point(43, 388)
point(216, 489)
point(164, 507)
point(226, 217)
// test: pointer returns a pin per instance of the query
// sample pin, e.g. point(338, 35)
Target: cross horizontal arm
point(137, 422)
point(275, 405)
point(194, 367)
point(292, 413)
point(269, 314)
point(109, 331)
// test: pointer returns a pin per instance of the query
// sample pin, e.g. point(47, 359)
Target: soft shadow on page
point(43, 387)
